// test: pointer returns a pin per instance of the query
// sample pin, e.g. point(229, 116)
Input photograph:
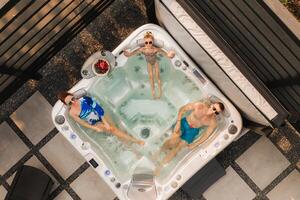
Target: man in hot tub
point(88, 113)
point(192, 129)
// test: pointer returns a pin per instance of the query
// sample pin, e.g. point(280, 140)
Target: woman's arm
point(83, 123)
point(107, 122)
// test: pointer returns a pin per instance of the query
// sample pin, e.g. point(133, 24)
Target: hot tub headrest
point(79, 93)
point(158, 43)
point(140, 43)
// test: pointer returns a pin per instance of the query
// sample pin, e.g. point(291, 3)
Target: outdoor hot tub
point(126, 98)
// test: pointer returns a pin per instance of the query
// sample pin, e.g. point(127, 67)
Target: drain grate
point(145, 133)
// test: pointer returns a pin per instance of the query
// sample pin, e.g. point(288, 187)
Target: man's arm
point(205, 135)
point(83, 123)
point(182, 110)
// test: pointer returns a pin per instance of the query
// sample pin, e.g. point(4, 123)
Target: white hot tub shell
point(138, 180)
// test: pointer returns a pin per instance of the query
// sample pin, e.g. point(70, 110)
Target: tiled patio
point(260, 172)
point(257, 167)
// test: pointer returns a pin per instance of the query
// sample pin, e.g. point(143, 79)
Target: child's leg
point(150, 72)
point(157, 76)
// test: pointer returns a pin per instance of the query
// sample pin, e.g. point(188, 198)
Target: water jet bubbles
point(85, 72)
point(65, 128)
point(137, 68)
point(145, 133)
point(73, 136)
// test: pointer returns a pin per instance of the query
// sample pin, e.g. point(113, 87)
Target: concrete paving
point(230, 186)
point(12, 149)
point(289, 188)
point(263, 162)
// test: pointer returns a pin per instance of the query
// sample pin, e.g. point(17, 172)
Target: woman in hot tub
point(88, 113)
point(150, 51)
point(200, 123)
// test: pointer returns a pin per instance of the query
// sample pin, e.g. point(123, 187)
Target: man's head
point(216, 108)
point(65, 97)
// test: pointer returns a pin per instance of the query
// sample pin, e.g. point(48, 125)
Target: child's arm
point(128, 54)
point(169, 54)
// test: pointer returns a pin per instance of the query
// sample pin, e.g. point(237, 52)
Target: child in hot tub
point(150, 51)
point(88, 113)
point(200, 122)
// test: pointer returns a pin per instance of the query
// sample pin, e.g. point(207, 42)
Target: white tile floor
point(62, 155)
point(90, 186)
point(12, 149)
point(63, 196)
point(11, 178)
point(229, 187)
point(288, 188)
point(2, 192)
point(34, 117)
point(263, 162)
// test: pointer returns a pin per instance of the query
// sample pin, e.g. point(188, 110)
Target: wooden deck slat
point(12, 13)
point(280, 52)
point(260, 41)
point(19, 38)
point(22, 18)
point(46, 34)
point(234, 31)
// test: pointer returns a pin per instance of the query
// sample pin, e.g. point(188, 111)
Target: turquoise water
point(126, 97)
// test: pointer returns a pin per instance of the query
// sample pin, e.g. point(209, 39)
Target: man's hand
point(177, 127)
point(192, 146)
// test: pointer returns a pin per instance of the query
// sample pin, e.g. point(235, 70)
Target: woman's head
point(65, 97)
point(148, 39)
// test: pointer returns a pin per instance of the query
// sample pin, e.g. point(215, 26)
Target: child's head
point(148, 38)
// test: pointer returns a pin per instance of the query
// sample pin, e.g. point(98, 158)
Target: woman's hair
point(62, 95)
point(148, 34)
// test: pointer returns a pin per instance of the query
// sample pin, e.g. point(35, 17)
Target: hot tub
point(125, 95)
